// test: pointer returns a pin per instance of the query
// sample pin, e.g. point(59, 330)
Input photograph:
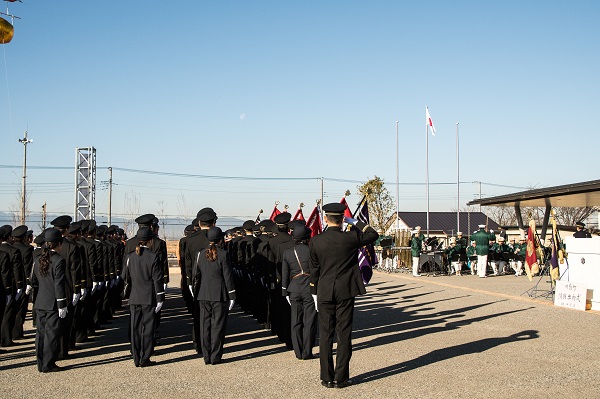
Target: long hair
point(44, 262)
point(211, 252)
point(139, 250)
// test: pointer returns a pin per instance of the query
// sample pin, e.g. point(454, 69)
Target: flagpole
point(457, 183)
point(397, 183)
point(359, 205)
point(427, 168)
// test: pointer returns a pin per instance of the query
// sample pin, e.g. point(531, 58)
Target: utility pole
point(24, 141)
point(44, 216)
point(109, 196)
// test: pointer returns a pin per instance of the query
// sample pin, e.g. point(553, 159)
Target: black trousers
point(213, 323)
point(47, 337)
point(335, 318)
point(196, 334)
point(303, 324)
point(142, 332)
point(21, 313)
point(8, 322)
point(65, 331)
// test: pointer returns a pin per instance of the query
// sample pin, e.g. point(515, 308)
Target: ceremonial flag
point(314, 222)
point(556, 254)
point(274, 213)
point(429, 121)
point(530, 255)
point(299, 215)
point(366, 254)
point(257, 221)
point(347, 212)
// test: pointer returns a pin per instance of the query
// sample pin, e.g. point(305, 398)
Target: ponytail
point(139, 249)
point(44, 262)
point(211, 252)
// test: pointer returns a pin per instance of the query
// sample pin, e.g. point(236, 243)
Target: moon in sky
point(243, 116)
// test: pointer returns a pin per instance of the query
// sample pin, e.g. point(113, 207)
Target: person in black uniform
point(49, 280)
point(143, 274)
point(581, 231)
point(19, 235)
point(335, 282)
point(195, 243)
point(296, 289)
point(185, 292)
point(216, 294)
point(15, 290)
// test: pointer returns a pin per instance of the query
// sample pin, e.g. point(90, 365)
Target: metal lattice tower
point(85, 183)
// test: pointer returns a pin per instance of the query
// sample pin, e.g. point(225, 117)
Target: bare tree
point(131, 212)
point(184, 209)
point(569, 216)
point(503, 215)
point(15, 207)
point(380, 202)
point(162, 217)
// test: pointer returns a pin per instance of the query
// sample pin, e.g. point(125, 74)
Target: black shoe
point(54, 369)
point(148, 363)
point(342, 384)
point(207, 362)
point(327, 384)
point(309, 357)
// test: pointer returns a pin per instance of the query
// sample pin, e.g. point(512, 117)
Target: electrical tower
point(85, 183)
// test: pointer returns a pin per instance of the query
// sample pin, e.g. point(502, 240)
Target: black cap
point(189, 228)
point(282, 218)
point(295, 223)
point(248, 225)
point(256, 228)
point(2, 232)
point(580, 224)
point(39, 239)
point(75, 227)
point(207, 215)
point(120, 231)
point(268, 223)
point(201, 211)
point(155, 221)
point(334, 208)
point(144, 233)
point(7, 230)
point(29, 233)
point(145, 220)
point(52, 235)
point(195, 222)
point(301, 232)
point(112, 229)
point(101, 230)
point(19, 232)
point(85, 224)
point(62, 221)
point(215, 234)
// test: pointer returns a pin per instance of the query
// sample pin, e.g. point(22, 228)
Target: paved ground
point(427, 337)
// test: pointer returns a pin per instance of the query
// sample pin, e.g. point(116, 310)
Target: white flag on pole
point(429, 121)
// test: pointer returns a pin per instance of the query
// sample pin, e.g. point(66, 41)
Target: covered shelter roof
point(568, 195)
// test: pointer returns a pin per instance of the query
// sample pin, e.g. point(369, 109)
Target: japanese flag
point(429, 121)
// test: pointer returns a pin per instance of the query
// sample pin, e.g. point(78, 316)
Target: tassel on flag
point(275, 212)
point(366, 255)
point(429, 121)
point(314, 222)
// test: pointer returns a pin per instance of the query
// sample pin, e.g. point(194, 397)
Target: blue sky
point(298, 90)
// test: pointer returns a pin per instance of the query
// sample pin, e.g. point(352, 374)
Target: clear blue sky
point(298, 89)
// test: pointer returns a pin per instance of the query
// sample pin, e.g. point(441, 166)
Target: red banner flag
point(314, 222)
point(531, 256)
point(299, 215)
point(274, 213)
point(347, 211)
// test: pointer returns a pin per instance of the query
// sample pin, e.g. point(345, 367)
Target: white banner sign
point(570, 295)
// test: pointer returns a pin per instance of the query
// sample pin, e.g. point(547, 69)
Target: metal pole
point(321, 204)
point(109, 196)
point(24, 141)
point(397, 182)
point(427, 170)
point(457, 183)
point(44, 216)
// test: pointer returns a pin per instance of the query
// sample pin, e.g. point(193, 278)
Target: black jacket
point(144, 275)
point(214, 278)
point(51, 288)
point(295, 277)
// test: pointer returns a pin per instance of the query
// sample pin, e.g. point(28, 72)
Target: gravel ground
point(427, 337)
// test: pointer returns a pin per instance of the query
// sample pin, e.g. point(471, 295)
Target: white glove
point(158, 307)
point(288, 299)
point(351, 221)
point(62, 313)
point(191, 290)
point(19, 292)
point(315, 299)
point(27, 289)
point(165, 288)
point(8, 299)
point(231, 303)
point(76, 298)
point(492, 231)
point(83, 293)
point(94, 286)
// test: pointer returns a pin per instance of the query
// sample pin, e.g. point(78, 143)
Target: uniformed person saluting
point(49, 280)
point(143, 273)
point(335, 282)
point(581, 231)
